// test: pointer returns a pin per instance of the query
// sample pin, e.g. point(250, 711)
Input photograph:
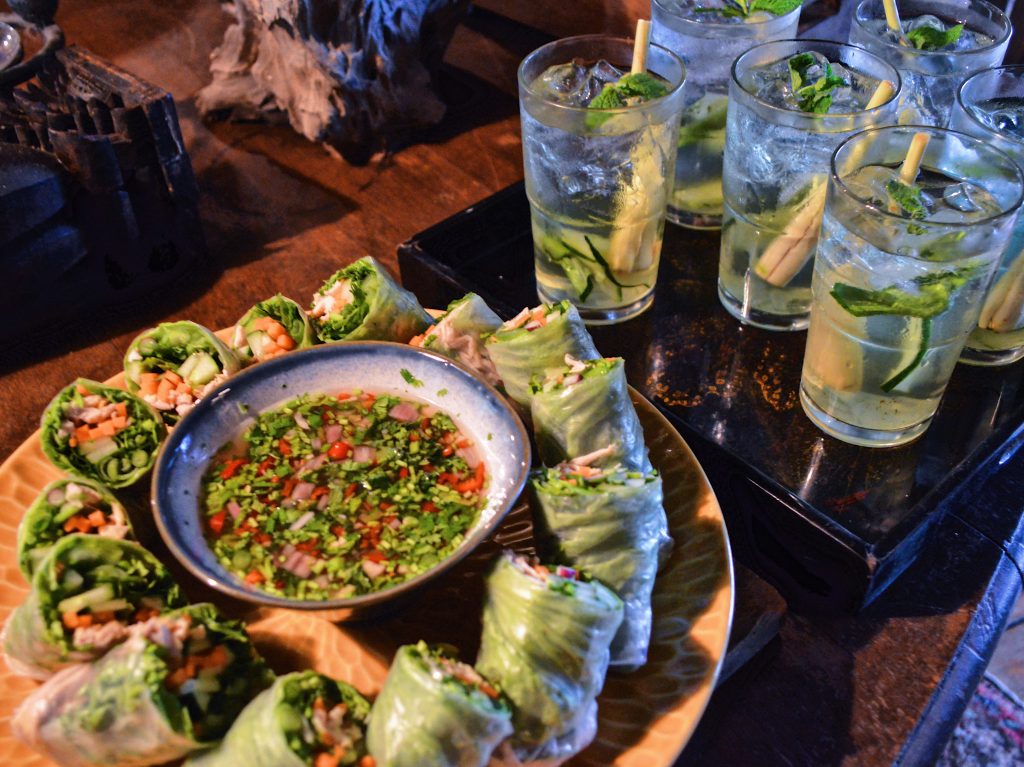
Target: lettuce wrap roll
point(545, 642)
point(363, 303)
point(583, 408)
point(434, 710)
point(175, 364)
point(610, 523)
point(534, 341)
point(173, 687)
point(101, 433)
point(271, 328)
point(65, 507)
point(304, 719)
point(85, 596)
point(459, 335)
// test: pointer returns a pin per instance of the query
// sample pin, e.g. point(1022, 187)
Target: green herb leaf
point(909, 198)
point(411, 379)
point(632, 88)
point(815, 97)
point(775, 7)
point(931, 39)
point(742, 9)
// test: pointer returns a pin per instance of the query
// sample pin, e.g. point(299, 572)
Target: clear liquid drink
point(931, 62)
point(990, 105)
point(597, 178)
point(899, 278)
point(776, 164)
point(708, 41)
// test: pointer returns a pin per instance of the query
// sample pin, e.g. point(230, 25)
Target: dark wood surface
point(281, 215)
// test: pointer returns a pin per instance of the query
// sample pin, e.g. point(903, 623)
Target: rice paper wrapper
point(62, 720)
point(134, 448)
point(459, 335)
point(35, 642)
point(258, 737)
point(284, 310)
point(571, 421)
point(614, 533)
point(43, 523)
point(520, 354)
point(118, 710)
point(548, 651)
point(418, 720)
point(381, 310)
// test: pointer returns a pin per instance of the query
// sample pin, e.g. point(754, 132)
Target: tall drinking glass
point(931, 74)
point(708, 42)
point(990, 105)
point(598, 179)
point(776, 167)
point(899, 277)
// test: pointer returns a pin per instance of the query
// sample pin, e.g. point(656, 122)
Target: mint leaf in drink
point(813, 97)
point(932, 39)
point(775, 7)
point(630, 89)
point(908, 198)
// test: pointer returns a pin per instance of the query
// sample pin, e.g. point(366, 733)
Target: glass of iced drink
point(905, 257)
point(792, 102)
point(942, 42)
point(599, 149)
point(990, 105)
point(708, 35)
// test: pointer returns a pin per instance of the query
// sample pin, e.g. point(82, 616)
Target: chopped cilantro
point(931, 39)
point(411, 379)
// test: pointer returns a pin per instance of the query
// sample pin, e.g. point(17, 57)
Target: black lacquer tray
point(830, 524)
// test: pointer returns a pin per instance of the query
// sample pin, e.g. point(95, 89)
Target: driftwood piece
point(354, 74)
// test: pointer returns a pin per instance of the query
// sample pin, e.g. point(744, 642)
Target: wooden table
point(281, 215)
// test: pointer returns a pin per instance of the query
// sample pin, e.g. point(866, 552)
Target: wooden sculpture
point(353, 74)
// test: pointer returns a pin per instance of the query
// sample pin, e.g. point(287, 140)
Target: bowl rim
point(268, 367)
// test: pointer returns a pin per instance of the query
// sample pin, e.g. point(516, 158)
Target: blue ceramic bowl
point(482, 414)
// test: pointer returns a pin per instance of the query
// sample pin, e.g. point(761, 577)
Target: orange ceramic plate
point(645, 717)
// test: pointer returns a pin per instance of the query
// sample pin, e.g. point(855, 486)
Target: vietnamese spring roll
point(101, 432)
point(363, 303)
point(85, 596)
point(534, 341)
point(174, 686)
point(434, 710)
point(175, 364)
point(65, 507)
point(546, 638)
point(271, 328)
point(304, 719)
point(585, 407)
point(459, 335)
point(610, 523)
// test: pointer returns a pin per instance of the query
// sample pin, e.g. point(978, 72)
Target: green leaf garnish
point(935, 291)
point(909, 198)
point(742, 9)
point(931, 39)
point(813, 97)
point(632, 88)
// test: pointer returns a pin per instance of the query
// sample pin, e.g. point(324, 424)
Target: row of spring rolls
point(599, 502)
point(112, 436)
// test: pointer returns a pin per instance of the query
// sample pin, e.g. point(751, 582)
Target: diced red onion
point(572, 378)
point(313, 463)
point(234, 509)
point(364, 454)
point(404, 412)
point(332, 433)
point(395, 523)
point(302, 491)
point(565, 572)
point(301, 522)
point(304, 567)
point(532, 325)
point(322, 581)
point(55, 497)
point(301, 421)
point(469, 455)
point(322, 503)
point(373, 569)
point(316, 443)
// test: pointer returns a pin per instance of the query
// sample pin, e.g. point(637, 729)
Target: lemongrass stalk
point(787, 254)
point(640, 45)
point(912, 162)
point(1004, 306)
point(892, 16)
